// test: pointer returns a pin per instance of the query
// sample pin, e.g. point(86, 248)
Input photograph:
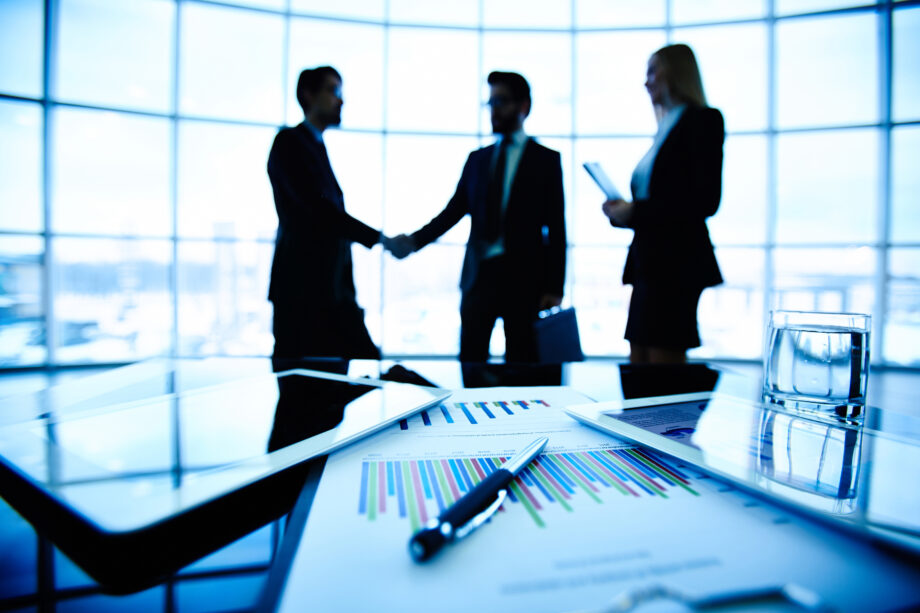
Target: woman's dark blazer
point(671, 242)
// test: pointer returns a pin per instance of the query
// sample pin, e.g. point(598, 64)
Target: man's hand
point(548, 301)
point(399, 246)
point(619, 212)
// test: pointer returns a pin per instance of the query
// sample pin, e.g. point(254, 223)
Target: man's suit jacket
point(671, 242)
point(534, 225)
point(312, 261)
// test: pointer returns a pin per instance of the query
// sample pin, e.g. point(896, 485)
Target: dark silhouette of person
point(312, 288)
point(675, 187)
point(515, 257)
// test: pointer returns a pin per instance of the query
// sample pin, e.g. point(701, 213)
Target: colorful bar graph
point(422, 489)
point(472, 413)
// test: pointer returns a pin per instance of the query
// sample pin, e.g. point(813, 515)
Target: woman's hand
point(619, 212)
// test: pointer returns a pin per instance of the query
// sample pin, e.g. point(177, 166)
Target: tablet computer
point(603, 181)
point(134, 491)
point(855, 477)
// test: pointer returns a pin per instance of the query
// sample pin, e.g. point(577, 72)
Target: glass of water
point(818, 362)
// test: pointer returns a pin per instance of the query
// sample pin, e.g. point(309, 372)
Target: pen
point(474, 509)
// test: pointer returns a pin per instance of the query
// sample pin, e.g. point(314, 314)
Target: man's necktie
point(495, 194)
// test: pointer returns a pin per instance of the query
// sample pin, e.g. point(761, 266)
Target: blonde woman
point(675, 187)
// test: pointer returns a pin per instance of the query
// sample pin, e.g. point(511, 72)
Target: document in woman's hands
point(603, 181)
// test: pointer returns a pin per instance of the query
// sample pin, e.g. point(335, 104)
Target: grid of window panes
point(136, 218)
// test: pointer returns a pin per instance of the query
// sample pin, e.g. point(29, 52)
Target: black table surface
point(35, 575)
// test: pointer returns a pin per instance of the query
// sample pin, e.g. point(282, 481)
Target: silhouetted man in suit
point(312, 288)
point(515, 258)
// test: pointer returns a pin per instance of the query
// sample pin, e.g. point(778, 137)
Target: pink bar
point(383, 487)
point(450, 479)
point(413, 466)
point(543, 402)
point(638, 472)
point(610, 474)
point(538, 462)
point(661, 467)
point(577, 473)
point(527, 493)
point(475, 463)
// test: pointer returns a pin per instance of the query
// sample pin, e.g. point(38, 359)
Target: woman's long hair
point(682, 74)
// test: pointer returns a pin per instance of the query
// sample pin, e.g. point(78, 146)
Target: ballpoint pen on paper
point(474, 509)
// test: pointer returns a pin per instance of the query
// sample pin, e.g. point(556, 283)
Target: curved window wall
point(136, 217)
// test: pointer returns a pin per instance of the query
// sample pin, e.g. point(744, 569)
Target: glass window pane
point(545, 60)
point(104, 183)
point(278, 5)
point(22, 42)
point(112, 301)
point(610, 96)
point(830, 280)
point(619, 13)
point(696, 11)
point(219, 76)
point(742, 215)
point(21, 166)
point(587, 224)
point(733, 62)
point(527, 14)
point(905, 184)
point(435, 91)
point(358, 9)
point(422, 175)
point(731, 315)
point(356, 51)
point(223, 304)
point(421, 312)
point(357, 161)
point(827, 187)
point(601, 298)
point(368, 275)
point(445, 12)
point(902, 321)
point(223, 185)
point(827, 70)
point(905, 103)
point(116, 53)
point(791, 7)
point(22, 316)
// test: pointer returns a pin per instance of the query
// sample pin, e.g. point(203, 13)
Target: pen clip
point(482, 517)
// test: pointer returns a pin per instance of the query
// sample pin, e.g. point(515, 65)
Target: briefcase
point(556, 331)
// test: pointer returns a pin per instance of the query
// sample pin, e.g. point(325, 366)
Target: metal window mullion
point(769, 272)
point(384, 137)
point(49, 44)
point(886, 52)
point(174, 181)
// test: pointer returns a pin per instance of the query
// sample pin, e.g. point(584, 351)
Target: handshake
point(398, 246)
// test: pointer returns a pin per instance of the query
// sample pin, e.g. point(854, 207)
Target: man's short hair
point(311, 81)
point(518, 85)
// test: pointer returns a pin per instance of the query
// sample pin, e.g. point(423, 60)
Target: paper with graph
point(590, 517)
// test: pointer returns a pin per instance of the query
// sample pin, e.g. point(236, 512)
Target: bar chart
point(471, 413)
point(419, 489)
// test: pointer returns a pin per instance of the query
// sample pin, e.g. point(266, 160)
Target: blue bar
point(504, 405)
point(482, 405)
point(362, 502)
point(390, 480)
point(651, 472)
point(453, 467)
point(638, 466)
point(466, 474)
point(447, 416)
point(629, 478)
point(403, 424)
point(539, 485)
point(425, 418)
point(421, 470)
point(467, 413)
point(400, 494)
point(560, 476)
point(492, 466)
point(434, 485)
point(616, 470)
point(525, 477)
point(660, 459)
point(592, 470)
point(578, 467)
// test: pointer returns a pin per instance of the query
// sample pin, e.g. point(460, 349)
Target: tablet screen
point(126, 466)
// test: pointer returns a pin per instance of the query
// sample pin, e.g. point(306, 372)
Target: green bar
point(577, 479)
point(636, 475)
point(372, 494)
point(596, 464)
point(472, 470)
point(559, 497)
point(527, 505)
point(639, 457)
point(445, 489)
point(590, 463)
point(410, 498)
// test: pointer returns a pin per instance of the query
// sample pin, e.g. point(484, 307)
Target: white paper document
point(591, 517)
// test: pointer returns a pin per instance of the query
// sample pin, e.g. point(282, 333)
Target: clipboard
point(603, 181)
